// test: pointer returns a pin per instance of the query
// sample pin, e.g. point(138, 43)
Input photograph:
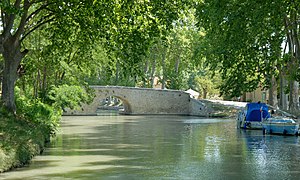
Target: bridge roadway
point(145, 101)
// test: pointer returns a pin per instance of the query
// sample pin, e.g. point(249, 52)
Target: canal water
point(162, 147)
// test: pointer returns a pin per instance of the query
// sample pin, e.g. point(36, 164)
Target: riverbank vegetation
point(51, 51)
point(24, 134)
point(20, 141)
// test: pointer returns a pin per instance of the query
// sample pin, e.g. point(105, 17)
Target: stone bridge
point(145, 101)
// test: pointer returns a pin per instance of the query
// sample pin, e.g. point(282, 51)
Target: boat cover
point(256, 110)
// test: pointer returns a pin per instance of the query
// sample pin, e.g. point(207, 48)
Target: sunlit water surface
point(162, 147)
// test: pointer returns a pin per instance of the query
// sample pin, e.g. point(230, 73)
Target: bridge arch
point(125, 102)
point(102, 93)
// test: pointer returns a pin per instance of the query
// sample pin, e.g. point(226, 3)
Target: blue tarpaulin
point(256, 110)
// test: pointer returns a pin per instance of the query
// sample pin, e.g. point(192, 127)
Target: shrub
point(66, 96)
point(40, 114)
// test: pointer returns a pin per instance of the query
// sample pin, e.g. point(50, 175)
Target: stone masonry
point(145, 101)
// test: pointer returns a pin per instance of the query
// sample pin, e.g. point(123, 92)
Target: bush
point(40, 114)
point(20, 140)
point(66, 96)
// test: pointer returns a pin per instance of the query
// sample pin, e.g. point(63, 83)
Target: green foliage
point(33, 110)
point(66, 96)
point(207, 86)
point(243, 41)
point(65, 33)
point(24, 134)
point(21, 139)
point(174, 58)
point(126, 29)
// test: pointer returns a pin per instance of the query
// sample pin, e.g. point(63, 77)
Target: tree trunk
point(273, 93)
point(205, 94)
point(117, 72)
point(283, 97)
point(12, 56)
point(146, 78)
point(8, 85)
point(1, 76)
point(163, 83)
point(44, 84)
point(153, 69)
point(37, 83)
point(293, 86)
point(291, 28)
point(177, 66)
point(293, 103)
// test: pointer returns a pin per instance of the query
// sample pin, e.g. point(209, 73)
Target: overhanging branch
point(39, 10)
point(36, 27)
point(9, 19)
point(23, 19)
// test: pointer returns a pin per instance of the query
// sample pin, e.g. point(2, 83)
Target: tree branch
point(36, 12)
point(9, 20)
point(288, 34)
point(295, 36)
point(23, 19)
point(37, 26)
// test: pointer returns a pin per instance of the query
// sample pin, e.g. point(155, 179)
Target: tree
point(127, 27)
point(292, 29)
point(18, 20)
point(173, 58)
point(53, 63)
point(244, 40)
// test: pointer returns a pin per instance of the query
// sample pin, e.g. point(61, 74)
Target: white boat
point(280, 125)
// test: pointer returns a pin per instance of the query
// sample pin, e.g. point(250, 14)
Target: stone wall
point(199, 108)
point(145, 101)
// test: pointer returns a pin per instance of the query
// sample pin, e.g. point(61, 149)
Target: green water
point(162, 147)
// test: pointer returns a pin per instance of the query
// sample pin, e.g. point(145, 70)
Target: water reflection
point(162, 147)
point(272, 156)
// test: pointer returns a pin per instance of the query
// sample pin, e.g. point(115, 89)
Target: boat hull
point(283, 129)
point(250, 125)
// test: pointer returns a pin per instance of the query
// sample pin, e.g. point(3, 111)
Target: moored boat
point(252, 115)
point(280, 125)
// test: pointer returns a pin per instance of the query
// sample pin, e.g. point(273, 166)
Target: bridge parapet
point(145, 101)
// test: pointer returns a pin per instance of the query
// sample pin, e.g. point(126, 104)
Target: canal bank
point(20, 141)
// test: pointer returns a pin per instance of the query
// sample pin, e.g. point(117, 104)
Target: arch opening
point(113, 105)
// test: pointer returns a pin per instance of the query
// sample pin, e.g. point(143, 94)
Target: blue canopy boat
point(252, 116)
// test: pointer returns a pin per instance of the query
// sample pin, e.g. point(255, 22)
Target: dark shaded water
point(162, 147)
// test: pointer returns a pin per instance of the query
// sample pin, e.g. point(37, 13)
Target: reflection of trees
point(218, 145)
point(167, 147)
point(203, 147)
point(160, 138)
point(268, 155)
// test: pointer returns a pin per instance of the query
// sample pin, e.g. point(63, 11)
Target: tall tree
point(126, 25)
point(244, 40)
point(173, 57)
point(292, 28)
